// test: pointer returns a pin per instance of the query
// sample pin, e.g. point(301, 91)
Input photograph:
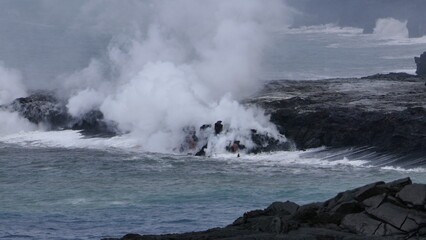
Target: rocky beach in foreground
point(393, 210)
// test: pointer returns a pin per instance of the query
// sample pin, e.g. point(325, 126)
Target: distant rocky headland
point(394, 210)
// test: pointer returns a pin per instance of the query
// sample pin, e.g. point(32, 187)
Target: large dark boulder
point(421, 64)
point(414, 194)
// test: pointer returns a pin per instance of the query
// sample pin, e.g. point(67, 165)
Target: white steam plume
point(11, 85)
point(183, 63)
point(391, 28)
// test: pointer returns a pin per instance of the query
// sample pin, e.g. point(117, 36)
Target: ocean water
point(330, 51)
point(65, 191)
point(63, 185)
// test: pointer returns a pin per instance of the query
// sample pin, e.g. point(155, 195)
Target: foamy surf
point(68, 139)
point(321, 158)
point(313, 158)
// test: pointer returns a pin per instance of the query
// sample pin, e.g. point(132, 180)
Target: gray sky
point(44, 38)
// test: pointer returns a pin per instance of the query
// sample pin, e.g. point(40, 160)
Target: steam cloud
point(390, 28)
point(153, 67)
point(171, 64)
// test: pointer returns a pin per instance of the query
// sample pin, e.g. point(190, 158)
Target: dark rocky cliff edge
point(385, 111)
point(394, 210)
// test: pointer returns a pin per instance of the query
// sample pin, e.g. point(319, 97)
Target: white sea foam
point(408, 170)
point(293, 158)
point(74, 140)
point(330, 28)
point(406, 41)
point(69, 139)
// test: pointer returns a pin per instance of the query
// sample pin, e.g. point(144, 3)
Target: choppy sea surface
point(62, 185)
point(108, 191)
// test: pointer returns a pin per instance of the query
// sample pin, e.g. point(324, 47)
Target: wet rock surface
point(386, 111)
point(421, 64)
point(45, 108)
point(374, 211)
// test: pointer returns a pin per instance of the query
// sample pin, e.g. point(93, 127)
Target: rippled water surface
point(74, 193)
point(60, 185)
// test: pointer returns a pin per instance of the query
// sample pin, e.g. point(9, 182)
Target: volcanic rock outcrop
point(46, 109)
point(394, 210)
point(421, 64)
point(385, 111)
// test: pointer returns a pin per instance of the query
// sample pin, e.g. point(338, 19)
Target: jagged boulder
point(377, 209)
point(421, 64)
point(414, 194)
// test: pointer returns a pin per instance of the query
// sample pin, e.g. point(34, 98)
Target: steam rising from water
point(390, 28)
point(175, 64)
point(11, 84)
point(170, 64)
point(11, 88)
point(186, 68)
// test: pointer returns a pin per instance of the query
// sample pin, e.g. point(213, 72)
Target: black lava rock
point(383, 111)
point(46, 109)
point(374, 211)
point(421, 64)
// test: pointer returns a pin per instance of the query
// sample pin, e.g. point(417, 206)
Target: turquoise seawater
point(75, 193)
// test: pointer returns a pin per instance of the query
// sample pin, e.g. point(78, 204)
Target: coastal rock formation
point(42, 107)
point(46, 109)
point(386, 111)
point(394, 210)
point(421, 64)
point(198, 138)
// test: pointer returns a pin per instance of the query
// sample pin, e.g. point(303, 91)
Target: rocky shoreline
point(385, 111)
point(394, 210)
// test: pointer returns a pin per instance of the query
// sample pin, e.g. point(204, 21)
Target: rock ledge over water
point(394, 210)
point(385, 111)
